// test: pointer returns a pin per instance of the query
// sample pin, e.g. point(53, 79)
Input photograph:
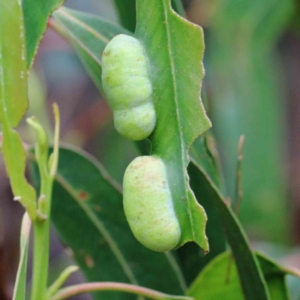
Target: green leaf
point(13, 99)
point(220, 280)
point(175, 51)
point(191, 259)
point(15, 161)
point(20, 283)
point(89, 35)
point(36, 14)
point(205, 153)
point(127, 13)
point(87, 211)
point(178, 7)
point(275, 277)
point(250, 274)
point(13, 73)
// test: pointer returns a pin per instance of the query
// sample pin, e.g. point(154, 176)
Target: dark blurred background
point(251, 87)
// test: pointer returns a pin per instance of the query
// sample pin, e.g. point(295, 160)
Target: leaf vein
point(100, 227)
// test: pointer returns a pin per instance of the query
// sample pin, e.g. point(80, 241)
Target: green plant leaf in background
point(250, 274)
point(178, 7)
point(20, 283)
point(13, 99)
point(248, 100)
point(176, 73)
point(191, 259)
point(89, 217)
point(89, 35)
point(204, 152)
point(127, 13)
point(219, 280)
point(36, 14)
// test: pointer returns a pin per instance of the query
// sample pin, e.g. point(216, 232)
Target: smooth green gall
point(127, 87)
point(148, 204)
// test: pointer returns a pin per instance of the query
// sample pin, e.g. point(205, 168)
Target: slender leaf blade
point(15, 161)
point(191, 259)
point(250, 274)
point(175, 51)
point(204, 152)
point(36, 14)
point(13, 99)
point(20, 283)
point(13, 78)
point(127, 13)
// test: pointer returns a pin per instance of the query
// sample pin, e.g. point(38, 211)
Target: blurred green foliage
point(247, 97)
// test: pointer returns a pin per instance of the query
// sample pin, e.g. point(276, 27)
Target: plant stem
point(114, 286)
point(47, 169)
point(41, 245)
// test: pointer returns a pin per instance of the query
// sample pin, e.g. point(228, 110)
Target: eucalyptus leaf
point(191, 259)
point(13, 73)
point(252, 281)
point(36, 14)
point(175, 51)
point(20, 283)
point(13, 99)
point(127, 13)
point(205, 153)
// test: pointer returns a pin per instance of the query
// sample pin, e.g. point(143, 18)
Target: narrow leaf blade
point(36, 14)
point(127, 13)
point(20, 284)
point(13, 73)
point(250, 274)
point(175, 51)
point(15, 161)
point(191, 259)
point(13, 99)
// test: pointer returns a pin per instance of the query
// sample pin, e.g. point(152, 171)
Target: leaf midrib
point(83, 25)
point(74, 37)
point(166, 5)
point(174, 79)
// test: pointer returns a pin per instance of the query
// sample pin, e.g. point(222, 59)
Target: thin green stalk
point(60, 280)
point(47, 168)
point(41, 246)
